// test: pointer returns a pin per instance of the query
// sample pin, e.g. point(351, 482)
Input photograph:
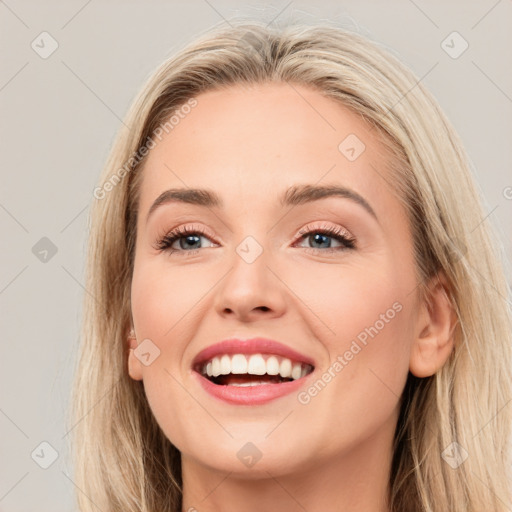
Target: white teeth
point(285, 369)
point(297, 368)
point(225, 365)
point(238, 364)
point(255, 364)
point(215, 366)
point(247, 384)
point(272, 365)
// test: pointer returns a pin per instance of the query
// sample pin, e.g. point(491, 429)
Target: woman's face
point(330, 276)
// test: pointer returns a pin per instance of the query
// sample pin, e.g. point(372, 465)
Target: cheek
point(364, 320)
point(160, 300)
point(348, 300)
point(162, 297)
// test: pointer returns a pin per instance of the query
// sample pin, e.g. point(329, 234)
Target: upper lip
point(250, 346)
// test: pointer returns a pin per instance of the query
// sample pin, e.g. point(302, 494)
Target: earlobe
point(134, 365)
point(434, 339)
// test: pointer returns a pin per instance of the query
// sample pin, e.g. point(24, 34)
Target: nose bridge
point(250, 287)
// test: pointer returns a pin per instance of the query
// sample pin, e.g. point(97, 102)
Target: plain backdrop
point(59, 116)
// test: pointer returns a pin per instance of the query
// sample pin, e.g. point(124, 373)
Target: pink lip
point(253, 395)
point(252, 346)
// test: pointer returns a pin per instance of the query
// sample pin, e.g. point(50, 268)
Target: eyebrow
point(293, 196)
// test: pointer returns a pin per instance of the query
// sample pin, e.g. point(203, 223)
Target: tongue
point(226, 380)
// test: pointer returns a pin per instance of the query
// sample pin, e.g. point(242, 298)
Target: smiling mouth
point(244, 370)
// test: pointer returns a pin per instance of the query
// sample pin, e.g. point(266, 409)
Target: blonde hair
point(123, 461)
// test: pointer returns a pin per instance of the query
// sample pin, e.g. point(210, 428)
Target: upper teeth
point(256, 364)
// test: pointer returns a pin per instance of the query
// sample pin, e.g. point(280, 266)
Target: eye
point(321, 238)
point(185, 239)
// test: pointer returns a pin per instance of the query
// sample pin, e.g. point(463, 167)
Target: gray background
point(59, 116)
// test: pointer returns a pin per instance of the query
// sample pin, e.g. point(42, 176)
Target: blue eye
point(323, 239)
point(186, 237)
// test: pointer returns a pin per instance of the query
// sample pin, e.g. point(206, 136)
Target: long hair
point(124, 462)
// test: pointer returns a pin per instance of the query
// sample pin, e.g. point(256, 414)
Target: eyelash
point(165, 242)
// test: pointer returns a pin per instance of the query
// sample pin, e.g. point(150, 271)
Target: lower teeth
point(247, 380)
point(246, 384)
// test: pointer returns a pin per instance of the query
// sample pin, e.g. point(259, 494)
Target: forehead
point(247, 142)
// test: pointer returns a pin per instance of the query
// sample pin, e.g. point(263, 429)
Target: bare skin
point(329, 450)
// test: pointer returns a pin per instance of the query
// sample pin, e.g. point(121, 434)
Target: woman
point(294, 302)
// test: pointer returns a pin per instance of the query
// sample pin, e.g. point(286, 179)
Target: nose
point(250, 291)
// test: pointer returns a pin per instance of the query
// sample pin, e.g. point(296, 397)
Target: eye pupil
point(187, 239)
point(320, 238)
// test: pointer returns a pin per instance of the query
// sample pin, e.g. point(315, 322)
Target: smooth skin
point(248, 145)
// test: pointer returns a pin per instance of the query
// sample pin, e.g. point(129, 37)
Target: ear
point(134, 364)
point(436, 321)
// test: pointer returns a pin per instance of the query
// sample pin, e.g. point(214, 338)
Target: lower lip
point(250, 395)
